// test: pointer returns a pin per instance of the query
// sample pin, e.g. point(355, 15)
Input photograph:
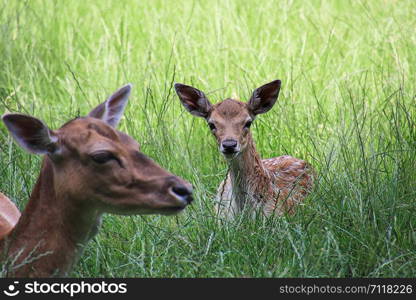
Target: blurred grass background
point(347, 106)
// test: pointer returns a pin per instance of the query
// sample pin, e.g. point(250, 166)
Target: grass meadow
point(347, 106)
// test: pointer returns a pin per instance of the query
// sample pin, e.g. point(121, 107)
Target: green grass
point(347, 106)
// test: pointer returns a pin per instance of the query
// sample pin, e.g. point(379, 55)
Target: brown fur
point(9, 215)
point(73, 191)
point(275, 185)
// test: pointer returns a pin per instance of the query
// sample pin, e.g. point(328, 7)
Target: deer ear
point(193, 100)
point(264, 97)
point(112, 109)
point(31, 133)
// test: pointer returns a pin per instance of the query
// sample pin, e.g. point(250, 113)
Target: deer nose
point(229, 146)
point(182, 192)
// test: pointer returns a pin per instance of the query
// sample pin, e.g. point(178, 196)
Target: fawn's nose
point(229, 146)
point(182, 192)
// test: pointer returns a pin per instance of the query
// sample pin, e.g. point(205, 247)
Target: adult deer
point(277, 184)
point(89, 168)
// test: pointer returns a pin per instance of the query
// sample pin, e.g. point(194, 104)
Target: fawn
point(275, 185)
point(89, 168)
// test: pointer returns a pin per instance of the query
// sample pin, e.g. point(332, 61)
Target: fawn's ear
point(112, 109)
point(31, 133)
point(264, 97)
point(193, 100)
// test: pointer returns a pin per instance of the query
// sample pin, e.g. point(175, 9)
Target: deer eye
point(102, 157)
point(212, 126)
point(248, 124)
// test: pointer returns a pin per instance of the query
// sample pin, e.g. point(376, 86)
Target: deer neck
point(52, 230)
point(249, 178)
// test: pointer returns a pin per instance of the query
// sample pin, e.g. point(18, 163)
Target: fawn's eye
point(212, 126)
point(102, 157)
point(248, 124)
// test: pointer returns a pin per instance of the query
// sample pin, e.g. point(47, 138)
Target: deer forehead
point(89, 134)
point(229, 110)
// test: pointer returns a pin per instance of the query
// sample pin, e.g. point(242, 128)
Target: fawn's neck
point(249, 179)
point(51, 231)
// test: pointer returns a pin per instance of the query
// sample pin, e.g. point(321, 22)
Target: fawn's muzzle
point(229, 146)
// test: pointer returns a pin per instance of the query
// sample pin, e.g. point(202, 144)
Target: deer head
point(96, 166)
point(229, 120)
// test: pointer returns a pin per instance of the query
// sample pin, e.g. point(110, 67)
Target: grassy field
point(347, 105)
